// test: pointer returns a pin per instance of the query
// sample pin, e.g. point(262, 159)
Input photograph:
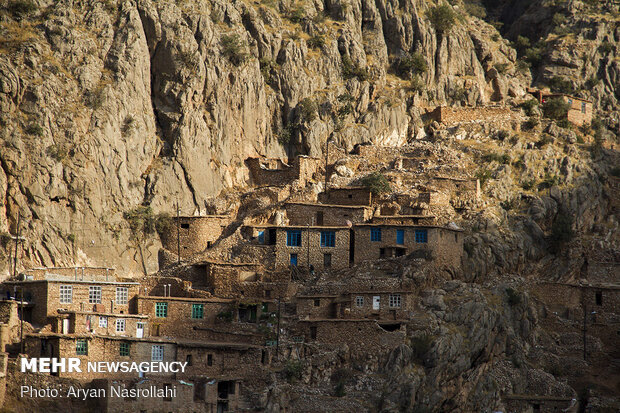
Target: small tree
point(234, 49)
point(308, 110)
point(556, 108)
point(411, 65)
point(377, 183)
point(142, 224)
point(442, 18)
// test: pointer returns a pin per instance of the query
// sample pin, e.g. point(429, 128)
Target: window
point(394, 300)
point(400, 236)
point(375, 234)
point(261, 237)
point(66, 294)
point(313, 332)
point(209, 359)
point(599, 298)
point(359, 301)
point(198, 310)
point(161, 310)
point(185, 226)
point(421, 236)
point(123, 349)
point(293, 238)
point(81, 348)
point(570, 101)
point(121, 295)
point(157, 352)
point(293, 260)
point(267, 293)
point(120, 325)
point(94, 295)
point(317, 302)
point(327, 260)
point(328, 238)
point(188, 359)
point(103, 322)
point(583, 107)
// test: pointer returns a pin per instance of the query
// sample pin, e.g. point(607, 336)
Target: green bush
point(377, 183)
point(565, 124)
point(296, 15)
point(514, 297)
point(533, 55)
point(483, 175)
point(458, 93)
point(501, 68)
point(556, 108)
point(266, 66)
point(225, 316)
point(522, 43)
point(561, 85)
point(317, 41)
point(502, 135)
point(143, 222)
point(233, 48)
point(307, 109)
point(21, 8)
point(442, 18)
point(421, 346)
point(496, 157)
point(293, 370)
point(561, 230)
point(476, 10)
point(558, 19)
point(591, 83)
point(528, 106)
point(531, 123)
point(417, 85)
point(285, 135)
point(34, 129)
point(56, 152)
point(548, 181)
point(523, 66)
point(528, 185)
point(544, 140)
point(351, 70)
point(411, 65)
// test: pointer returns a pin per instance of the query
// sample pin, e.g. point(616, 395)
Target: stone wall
point(452, 115)
point(339, 253)
point(84, 323)
point(535, 403)
point(219, 359)
point(316, 306)
point(274, 172)
point(299, 213)
point(444, 245)
point(75, 273)
point(347, 196)
point(385, 311)
point(403, 219)
point(194, 234)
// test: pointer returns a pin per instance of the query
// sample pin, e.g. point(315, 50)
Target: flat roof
point(200, 216)
point(216, 344)
point(349, 188)
point(329, 205)
point(407, 226)
point(187, 299)
point(70, 281)
point(232, 264)
point(554, 94)
point(402, 216)
point(352, 320)
point(318, 296)
point(314, 227)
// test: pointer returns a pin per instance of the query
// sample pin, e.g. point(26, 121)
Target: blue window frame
point(375, 234)
point(293, 238)
point(583, 107)
point(261, 237)
point(400, 236)
point(293, 260)
point(421, 235)
point(328, 238)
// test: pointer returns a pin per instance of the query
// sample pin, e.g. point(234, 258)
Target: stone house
point(455, 115)
point(193, 234)
point(275, 172)
point(107, 324)
point(301, 213)
point(200, 395)
point(354, 195)
point(404, 219)
point(580, 111)
point(460, 187)
point(322, 247)
point(45, 296)
point(317, 306)
point(375, 241)
point(380, 305)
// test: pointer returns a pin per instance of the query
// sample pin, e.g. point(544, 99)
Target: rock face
point(110, 105)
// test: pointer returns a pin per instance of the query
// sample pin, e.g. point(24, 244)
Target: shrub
point(548, 181)
point(421, 346)
point(565, 124)
point(307, 110)
point(189, 59)
point(71, 238)
point(351, 70)
point(544, 140)
point(292, 370)
point(528, 185)
point(528, 106)
point(502, 135)
point(531, 123)
point(377, 183)
point(317, 41)
point(522, 43)
point(496, 157)
point(128, 124)
point(507, 205)
point(514, 297)
point(410, 65)
point(417, 85)
point(606, 47)
point(442, 18)
point(296, 15)
point(533, 55)
point(233, 49)
point(558, 19)
point(523, 66)
point(94, 99)
point(483, 175)
point(556, 108)
point(476, 10)
point(285, 135)
point(266, 65)
point(559, 84)
point(143, 222)
point(458, 93)
point(591, 83)
point(501, 68)
point(225, 316)
point(56, 152)
point(561, 230)
point(21, 8)
point(34, 129)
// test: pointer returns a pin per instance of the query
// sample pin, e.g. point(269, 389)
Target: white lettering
point(30, 365)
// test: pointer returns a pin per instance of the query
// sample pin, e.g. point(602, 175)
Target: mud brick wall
point(340, 253)
point(446, 246)
point(361, 336)
point(273, 172)
point(179, 321)
point(346, 196)
point(194, 233)
point(580, 112)
point(385, 312)
point(452, 115)
point(234, 360)
point(316, 306)
point(304, 214)
point(79, 324)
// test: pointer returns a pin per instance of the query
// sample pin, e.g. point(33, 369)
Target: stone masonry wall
point(340, 253)
point(195, 234)
point(347, 196)
point(450, 115)
point(304, 214)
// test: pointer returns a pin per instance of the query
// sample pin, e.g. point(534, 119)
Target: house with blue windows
point(387, 240)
